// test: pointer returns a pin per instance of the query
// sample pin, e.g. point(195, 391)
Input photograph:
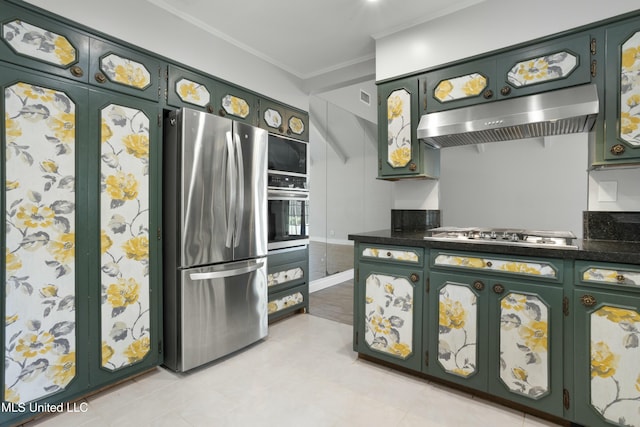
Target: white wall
point(484, 27)
point(529, 184)
point(147, 26)
point(346, 197)
point(614, 190)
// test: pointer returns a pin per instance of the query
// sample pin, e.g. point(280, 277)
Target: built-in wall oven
point(287, 193)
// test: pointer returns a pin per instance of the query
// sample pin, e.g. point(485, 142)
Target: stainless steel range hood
point(558, 112)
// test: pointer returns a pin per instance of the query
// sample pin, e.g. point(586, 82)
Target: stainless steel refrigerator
point(214, 237)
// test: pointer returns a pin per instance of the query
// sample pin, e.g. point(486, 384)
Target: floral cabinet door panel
point(527, 360)
point(607, 351)
point(44, 271)
point(622, 91)
point(389, 310)
point(31, 40)
point(125, 304)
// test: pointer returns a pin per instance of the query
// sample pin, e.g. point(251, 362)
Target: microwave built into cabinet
point(288, 193)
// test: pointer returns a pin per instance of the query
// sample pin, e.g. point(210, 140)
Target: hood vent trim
point(560, 112)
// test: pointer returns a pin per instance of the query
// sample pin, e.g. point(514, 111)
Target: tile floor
point(304, 374)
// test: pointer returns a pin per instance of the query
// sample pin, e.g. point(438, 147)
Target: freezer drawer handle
point(226, 273)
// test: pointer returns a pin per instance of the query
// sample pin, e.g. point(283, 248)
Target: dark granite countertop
point(591, 250)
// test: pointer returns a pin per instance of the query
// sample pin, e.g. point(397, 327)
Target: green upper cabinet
point(235, 103)
point(400, 154)
point(461, 85)
point(33, 41)
point(280, 119)
point(622, 92)
point(189, 89)
point(124, 70)
point(545, 66)
point(536, 68)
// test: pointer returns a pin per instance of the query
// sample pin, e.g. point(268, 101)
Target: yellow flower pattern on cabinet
point(457, 329)
point(124, 236)
point(285, 276)
point(285, 302)
point(508, 266)
point(393, 254)
point(460, 87)
point(612, 276)
point(630, 91)
point(615, 371)
point(389, 315)
point(39, 43)
point(235, 106)
point(524, 345)
point(125, 71)
point(399, 128)
point(193, 92)
point(296, 125)
point(40, 341)
point(542, 69)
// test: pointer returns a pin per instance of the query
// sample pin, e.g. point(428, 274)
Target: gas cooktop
point(504, 236)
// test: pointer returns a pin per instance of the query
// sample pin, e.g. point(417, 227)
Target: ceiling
point(309, 38)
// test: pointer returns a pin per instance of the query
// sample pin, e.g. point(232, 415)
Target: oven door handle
point(287, 195)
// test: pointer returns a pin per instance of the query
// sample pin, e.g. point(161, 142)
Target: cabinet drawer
point(286, 275)
point(392, 254)
point(282, 303)
point(613, 275)
point(538, 268)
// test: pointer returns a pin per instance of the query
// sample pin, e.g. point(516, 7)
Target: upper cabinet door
point(458, 86)
point(188, 89)
point(398, 146)
point(33, 41)
point(124, 70)
point(277, 118)
point(235, 103)
point(622, 91)
point(545, 66)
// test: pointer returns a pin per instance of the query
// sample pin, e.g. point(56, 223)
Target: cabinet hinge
point(565, 305)
point(426, 358)
point(427, 284)
point(159, 347)
point(593, 46)
point(159, 233)
point(357, 335)
point(379, 101)
point(566, 399)
point(159, 120)
point(594, 68)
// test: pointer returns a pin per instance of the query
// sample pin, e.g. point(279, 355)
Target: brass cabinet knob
point(100, 78)
point(413, 167)
point(588, 300)
point(617, 149)
point(498, 288)
point(76, 71)
point(489, 264)
point(389, 254)
point(221, 112)
point(478, 285)
point(281, 129)
point(210, 109)
point(414, 277)
point(289, 131)
point(506, 90)
point(620, 278)
point(488, 94)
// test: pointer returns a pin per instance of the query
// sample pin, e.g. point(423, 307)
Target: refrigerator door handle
point(226, 273)
point(240, 187)
point(231, 182)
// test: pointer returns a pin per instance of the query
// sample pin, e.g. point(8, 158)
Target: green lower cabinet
point(500, 337)
point(288, 281)
point(607, 358)
point(388, 313)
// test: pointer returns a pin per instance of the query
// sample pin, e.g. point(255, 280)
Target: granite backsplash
point(414, 219)
point(622, 226)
